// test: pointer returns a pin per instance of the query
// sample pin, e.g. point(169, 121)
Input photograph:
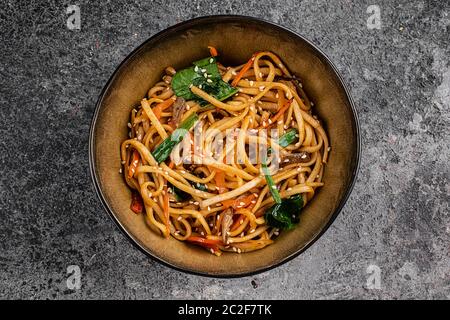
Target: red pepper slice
point(137, 204)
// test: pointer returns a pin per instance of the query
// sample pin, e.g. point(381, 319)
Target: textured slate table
point(397, 218)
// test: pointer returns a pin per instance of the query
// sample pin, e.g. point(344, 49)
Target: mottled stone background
point(396, 218)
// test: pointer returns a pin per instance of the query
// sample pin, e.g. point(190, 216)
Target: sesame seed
point(261, 88)
point(234, 73)
point(200, 86)
point(242, 203)
point(205, 75)
point(211, 60)
point(285, 127)
point(209, 208)
point(253, 230)
point(280, 122)
point(196, 203)
point(260, 74)
point(123, 162)
point(274, 187)
point(312, 103)
point(251, 83)
point(209, 80)
point(196, 68)
point(129, 125)
point(150, 194)
point(270, 121)
point(191, 85)
point(212, 250)
point(188, 107)
point(276, 233)
point(329, 148)
point(179, 218)
point(203, 70)
point(239, 250)
point(234, 248)
point(166, 172)
point(120, 170)
point(277, 95)
point(289, 189)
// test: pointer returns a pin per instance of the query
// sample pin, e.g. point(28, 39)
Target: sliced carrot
point(220, 181)
point(171, 164)
point(134, 163)
point(160, 107)
point(244, 69)
point(278, 115)
point(241, 202)
point(213, 51)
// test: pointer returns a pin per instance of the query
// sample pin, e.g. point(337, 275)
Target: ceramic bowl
point(236, 38)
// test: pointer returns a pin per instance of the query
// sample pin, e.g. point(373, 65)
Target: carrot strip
point(244, 69)
point(134, 163)
point(279, 114)
point(213, 51)
point(241, 202)
point(220, 181)
point(160, 107)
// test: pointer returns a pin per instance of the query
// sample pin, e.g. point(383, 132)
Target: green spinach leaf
point(203, 74)
point(285, 215)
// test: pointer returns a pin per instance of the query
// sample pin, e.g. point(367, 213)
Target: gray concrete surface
point(397, 218)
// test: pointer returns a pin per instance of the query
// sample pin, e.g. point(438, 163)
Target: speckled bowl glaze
point(236, 38)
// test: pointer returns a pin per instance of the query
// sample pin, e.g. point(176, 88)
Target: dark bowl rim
point(191, 23)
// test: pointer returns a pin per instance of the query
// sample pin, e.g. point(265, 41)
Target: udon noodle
point(225, 198)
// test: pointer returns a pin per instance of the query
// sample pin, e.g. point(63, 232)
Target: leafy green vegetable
point(200, 186)
point(289, 137)
point(284, 215)
point(286, 139)
point(272, 187)
point(179, 194)
point(195, 75)
point(163, 150)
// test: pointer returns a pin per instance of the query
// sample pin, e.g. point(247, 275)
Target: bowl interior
point(236, 38)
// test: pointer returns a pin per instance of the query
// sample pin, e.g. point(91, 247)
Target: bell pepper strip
point(133, 164)
point(210, 244)
point(160, 107)
point(137, 204)
point(244, 69)
point(213, 51)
